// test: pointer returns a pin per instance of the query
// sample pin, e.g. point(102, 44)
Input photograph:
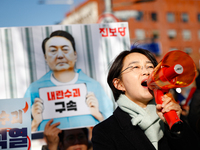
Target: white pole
point(108, 6)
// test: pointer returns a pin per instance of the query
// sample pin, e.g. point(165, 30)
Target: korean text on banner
point(15, 124)
point(64, 101)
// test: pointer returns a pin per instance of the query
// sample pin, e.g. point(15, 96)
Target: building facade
point(173, 24)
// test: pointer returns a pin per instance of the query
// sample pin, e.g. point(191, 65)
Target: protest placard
point(15, 124)
point(27, 67)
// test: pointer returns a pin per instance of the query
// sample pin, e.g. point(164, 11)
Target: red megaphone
point(176, 69)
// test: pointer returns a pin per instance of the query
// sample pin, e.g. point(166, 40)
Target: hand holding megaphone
point(176, 69)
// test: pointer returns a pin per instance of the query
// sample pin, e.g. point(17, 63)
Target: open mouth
point(144, 83)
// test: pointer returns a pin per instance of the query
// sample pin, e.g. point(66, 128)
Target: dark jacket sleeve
point(194, 112)
point(184, 140)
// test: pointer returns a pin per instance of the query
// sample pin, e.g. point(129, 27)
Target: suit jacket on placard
point(117, 133)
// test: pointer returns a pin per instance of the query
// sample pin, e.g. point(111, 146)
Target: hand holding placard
point(93, 104)
point(37, 110)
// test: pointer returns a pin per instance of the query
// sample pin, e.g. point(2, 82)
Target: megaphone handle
point(171, 116)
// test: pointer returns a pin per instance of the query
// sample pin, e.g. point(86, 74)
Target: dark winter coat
point(117, 133)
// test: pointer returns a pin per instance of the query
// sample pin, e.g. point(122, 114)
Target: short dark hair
point(61, 135)
point(117, 66)
point(61, 33)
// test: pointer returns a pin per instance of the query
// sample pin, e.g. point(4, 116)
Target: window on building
point(171, 34)
point(188, 50)
point(155, 34)
point(184, 17)
point(140, 34)
point(139, 16)
point(154, 16)
point(198, 17)
point(186, 35)
point(199, 34)
point(173, 49)
point(170, 17)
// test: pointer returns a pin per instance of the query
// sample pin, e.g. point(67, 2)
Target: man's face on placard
point(59, 54)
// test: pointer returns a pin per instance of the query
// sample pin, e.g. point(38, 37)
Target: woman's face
point(136, 69)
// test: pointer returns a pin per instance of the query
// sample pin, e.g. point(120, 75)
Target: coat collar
point(132, 133)
point(123, 118)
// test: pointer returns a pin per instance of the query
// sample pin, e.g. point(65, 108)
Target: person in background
point(70, 139)
point(194, 111)
point(60, 54)
point(138, 122)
